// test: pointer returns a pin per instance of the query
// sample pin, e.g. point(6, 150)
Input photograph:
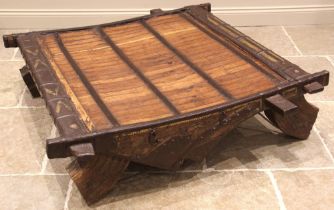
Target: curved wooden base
point(200, 139)
point(96, 175)
point(297, 124)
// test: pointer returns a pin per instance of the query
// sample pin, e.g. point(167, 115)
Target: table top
point(154, 69)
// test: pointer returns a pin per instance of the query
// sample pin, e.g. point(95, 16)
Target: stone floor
point(256, 167)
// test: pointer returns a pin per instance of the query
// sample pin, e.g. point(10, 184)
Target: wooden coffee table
point(157, 90)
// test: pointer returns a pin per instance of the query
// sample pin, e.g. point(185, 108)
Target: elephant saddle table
point(158, 90)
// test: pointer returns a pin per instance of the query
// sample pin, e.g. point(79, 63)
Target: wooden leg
point(27, 78)
point(297, 124)
point(96, 176)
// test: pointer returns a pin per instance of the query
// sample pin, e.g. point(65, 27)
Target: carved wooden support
point(297, 124)
point(97, 176)
point(28, 80)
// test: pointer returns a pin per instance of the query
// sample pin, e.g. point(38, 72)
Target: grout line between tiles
point(45, 158)
point(9, 60)
point(280, 169)
point(205, 167)
point(22, 96)
point(68, 194)
point(44, 164)
point(277, 190)
point(291, 40)
point(321, 101)
point(244, 170)
point(330, 60)
point(22, 107)
point(34, 174)
point(302, 56)
point(323, 143)
point(15, 52)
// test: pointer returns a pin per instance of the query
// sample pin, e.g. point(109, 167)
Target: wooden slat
point(136, 70)
point(198, 70)
point(125, 94)
point(231, 72)
point(86, 82)
point(187, 90)
point(258, 67)
point(86, 106)
point(276, 63)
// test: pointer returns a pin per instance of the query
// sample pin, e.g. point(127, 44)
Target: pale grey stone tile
point(272, 37)
point(33, 192)
point(209, 190)
point(313, 39)
point(23, 134)
point(307, 189)
point(253, 146)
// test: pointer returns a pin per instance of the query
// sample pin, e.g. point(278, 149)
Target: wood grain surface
point(148, 70)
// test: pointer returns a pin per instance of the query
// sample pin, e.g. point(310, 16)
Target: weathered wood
point(97, 176)
point(156, 11)
point(297, 124)
point(313, 87)
point(28, 80)
point(136, 70)
point(281, 105)
point(9, 41)
point(87, 83)
point(188, 62)
point(82, 150)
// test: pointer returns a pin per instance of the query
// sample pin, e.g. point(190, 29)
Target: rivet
point(74, 126)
